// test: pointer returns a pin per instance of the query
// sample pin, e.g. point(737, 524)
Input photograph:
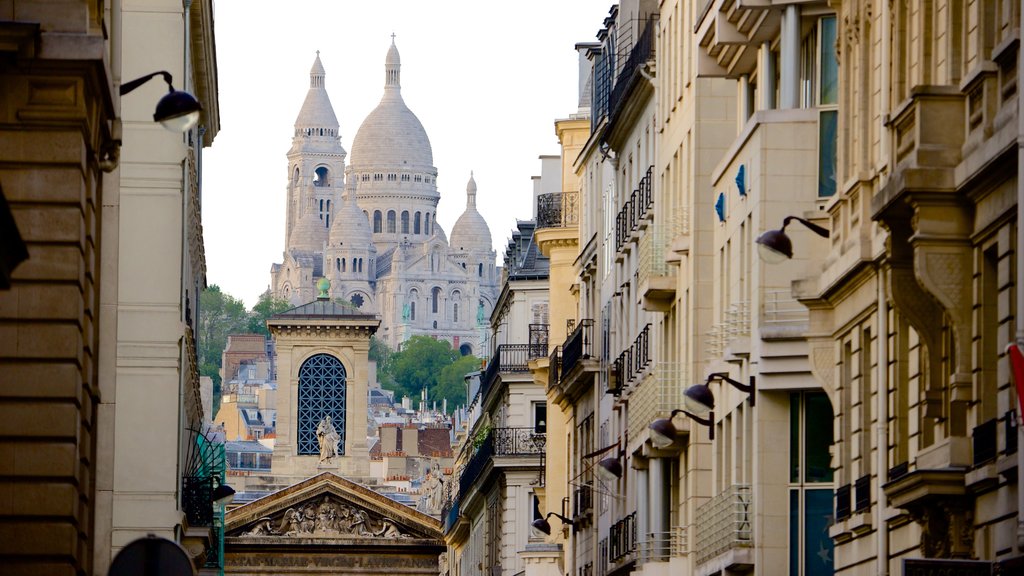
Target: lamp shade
point(610, 468)
point(223, 495)
point(699, 399)
point(177, 111)
point(774, 246)
point(543, 525)
point(663, 432)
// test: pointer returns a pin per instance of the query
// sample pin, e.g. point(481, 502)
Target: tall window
point(376, 222)
point(416, 223)
point(391, 221)
point(426, 224)
point(810, 484)
point(435, 295)
point(819, 80)
point(405, 222)
point(322, 384)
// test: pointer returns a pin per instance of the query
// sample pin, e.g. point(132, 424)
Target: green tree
point(220, 314)
point(264, 308)
point(451, 383)
point(382, 355)
point(419, 363)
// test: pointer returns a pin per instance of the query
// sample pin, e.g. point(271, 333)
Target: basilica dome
point(350, 224)
point(391, 136)
point(470, 231)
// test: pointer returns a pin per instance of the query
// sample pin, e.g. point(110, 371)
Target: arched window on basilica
point(435, 296)
point(405, 222)
point(391, 221)
point(416, 223)
point(322, 387)
point(376, 222)
point(320, 177)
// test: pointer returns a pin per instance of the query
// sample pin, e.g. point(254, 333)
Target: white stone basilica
point(370, 227)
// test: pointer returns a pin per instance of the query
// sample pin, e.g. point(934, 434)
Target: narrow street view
point(574, 288)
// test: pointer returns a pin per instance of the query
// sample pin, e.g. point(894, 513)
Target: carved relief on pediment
point(326, 517)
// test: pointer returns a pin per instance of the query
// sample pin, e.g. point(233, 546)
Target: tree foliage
point(451, 383)
point(264, 308)
point(418, 364)
point(220, 314)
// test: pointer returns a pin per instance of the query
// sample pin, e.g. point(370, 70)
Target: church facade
point(370, 226)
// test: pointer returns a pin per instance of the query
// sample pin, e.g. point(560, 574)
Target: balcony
point(633, 214)
point(582, 504)
point(657, 280)
point(554, 367)
point(578, 363)
point(725, 526)
point(558, 210)
point(660, 546)
point(538, 341)
point(629, 76)
point(622, 539)
point(656, 397)
point(502, 447)
point(507, 358)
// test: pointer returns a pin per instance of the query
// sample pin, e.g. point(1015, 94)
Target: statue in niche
point(406, 312)
point(328, 439)
point(433, 490)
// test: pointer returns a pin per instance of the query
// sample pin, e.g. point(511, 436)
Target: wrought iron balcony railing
point(622, 538)
point(507, 358)
point(629, 73)
point(634, 210)
point(555, 367)
point(197, 500)
point(518, 441)
point(578, 345)
point(538, 340)
point(725, 522)
point(501, 442)
point(558, 210)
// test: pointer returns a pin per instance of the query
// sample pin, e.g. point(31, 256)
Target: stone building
point(859, 413)
point(99, 389)
point(370, 227)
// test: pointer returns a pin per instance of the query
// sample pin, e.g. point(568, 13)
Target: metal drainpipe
point(882, 450)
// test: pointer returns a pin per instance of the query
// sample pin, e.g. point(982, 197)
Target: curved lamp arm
point(709, 421)
point(748, 388)
point(132, 85)
point(823, 232)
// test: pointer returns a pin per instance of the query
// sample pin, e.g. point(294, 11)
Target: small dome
point(350, 225)
point(471, 231)
point(391, 135)
point(308, 234)
point(317, 111)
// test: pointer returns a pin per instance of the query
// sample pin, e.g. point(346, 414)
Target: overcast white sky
point(487, 79)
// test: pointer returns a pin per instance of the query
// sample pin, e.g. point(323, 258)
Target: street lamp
point(700, 406)
point(223, 495)
point(177, 111)
point(774, 246)
point(544, 526)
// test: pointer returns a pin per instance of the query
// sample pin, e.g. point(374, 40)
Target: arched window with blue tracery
point(322, 384)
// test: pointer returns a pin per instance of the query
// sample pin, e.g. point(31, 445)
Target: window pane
point(818, 438)
point(794, 437)
point(829, 65)
point(817, 544)
point(794, 530)
point(828, 122)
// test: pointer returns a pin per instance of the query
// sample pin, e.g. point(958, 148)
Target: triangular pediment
point(330, 507)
